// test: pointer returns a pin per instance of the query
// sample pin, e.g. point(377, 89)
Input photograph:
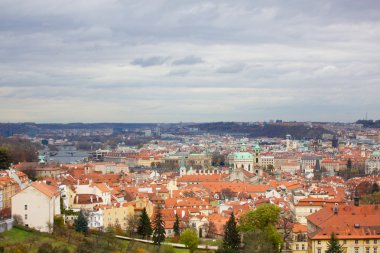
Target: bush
point(165, 248)
point(46, 248)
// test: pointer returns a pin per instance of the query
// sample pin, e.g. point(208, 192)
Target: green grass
point(13, 236)
point(31, 240)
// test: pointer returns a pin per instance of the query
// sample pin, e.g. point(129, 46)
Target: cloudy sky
point(171, 61)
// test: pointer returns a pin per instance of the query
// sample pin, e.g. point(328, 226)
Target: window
point(356, 250)
point(319, 242)
point(356, 241)
point(375, 241)
point(303, 246)
point(374, 250)
point(311, 210)
point(366, 250)
point(367, 241)
point(344, 241)
point(297, 248)
point(26, 207)
point(26, 216)
point(319, 250)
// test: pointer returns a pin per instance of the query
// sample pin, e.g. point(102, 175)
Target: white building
point(95, 219)
point(37, 205)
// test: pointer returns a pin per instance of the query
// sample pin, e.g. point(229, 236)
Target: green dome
point(257, 147)
point(243, 155)
point(376, 153)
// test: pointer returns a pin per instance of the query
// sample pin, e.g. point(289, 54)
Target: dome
point(376, 153)
point(243, 155)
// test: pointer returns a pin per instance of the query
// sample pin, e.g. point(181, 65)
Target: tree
point(81, 224)
point(231, 234)
point(260, 218)
point(145, 227)
point(211, 232)
point(333, 245)
point(118, 229)
point(262, 224)
point(189, 237)
point(285, 226)
point(270, 169)
point(227, 193)
point(5, 159)
point(176, 228)
point(132, 225)
point(158, 229)
point(260, 241)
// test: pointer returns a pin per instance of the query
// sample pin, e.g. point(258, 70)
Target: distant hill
point(9, 129)
point(369, 123)
point(263, 130)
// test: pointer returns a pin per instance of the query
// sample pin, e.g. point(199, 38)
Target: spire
point(182, 169)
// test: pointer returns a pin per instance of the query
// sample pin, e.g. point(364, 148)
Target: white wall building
point(37, 205)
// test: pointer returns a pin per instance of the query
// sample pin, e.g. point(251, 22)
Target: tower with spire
point(182, 169)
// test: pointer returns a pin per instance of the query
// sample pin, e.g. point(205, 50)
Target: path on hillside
point(176, 245)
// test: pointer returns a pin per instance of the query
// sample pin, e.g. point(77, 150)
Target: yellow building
point(118, 215)
point(299, 238)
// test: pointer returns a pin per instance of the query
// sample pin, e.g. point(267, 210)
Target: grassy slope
point(32, 240)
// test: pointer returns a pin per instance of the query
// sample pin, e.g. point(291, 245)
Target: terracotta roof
point(48, 190)
point(349, 222)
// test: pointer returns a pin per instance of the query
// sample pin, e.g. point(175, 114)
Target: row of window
point(367, 250)
point(356, 241)
point(302, 247)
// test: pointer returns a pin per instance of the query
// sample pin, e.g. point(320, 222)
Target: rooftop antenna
point(366, 118)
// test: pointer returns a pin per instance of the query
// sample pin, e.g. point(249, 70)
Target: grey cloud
point(180, 72)
point(151, 61)
point(233, 68)
point(299, 54)
point(188, 60)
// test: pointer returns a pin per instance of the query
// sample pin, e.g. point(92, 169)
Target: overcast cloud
point(170, 61)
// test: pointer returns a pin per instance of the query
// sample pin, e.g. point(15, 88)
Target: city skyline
point(198, 61)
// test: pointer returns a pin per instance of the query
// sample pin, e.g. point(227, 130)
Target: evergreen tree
point(81, 224)
point(145, 227)
point(176, 227)
point(159, 229)
point(231, 234)
point(333, 245)
point(5, 159)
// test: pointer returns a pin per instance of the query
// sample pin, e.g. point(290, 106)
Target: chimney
point(91, 198)
point(356, 200)
point(77, 198)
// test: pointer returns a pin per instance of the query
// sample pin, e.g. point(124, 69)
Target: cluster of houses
point(110, 194)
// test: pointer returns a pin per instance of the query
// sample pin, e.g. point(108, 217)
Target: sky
point(192, 61)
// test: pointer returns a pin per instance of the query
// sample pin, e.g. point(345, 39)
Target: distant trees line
point(369, 123)
point(266, 130)
point(14, 150)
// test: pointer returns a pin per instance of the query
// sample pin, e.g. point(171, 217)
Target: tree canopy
point(81, 224)
point(264, 215)
point(189, 237)
point(144, 228)
point(260, 230)
point(5, 159)
point(333, 245)
point(158, 228)
point(231, 238)
point(176, 228)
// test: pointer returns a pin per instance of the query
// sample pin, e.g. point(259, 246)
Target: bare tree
point(132, 224)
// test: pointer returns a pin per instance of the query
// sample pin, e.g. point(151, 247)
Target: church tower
point(182, 169)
